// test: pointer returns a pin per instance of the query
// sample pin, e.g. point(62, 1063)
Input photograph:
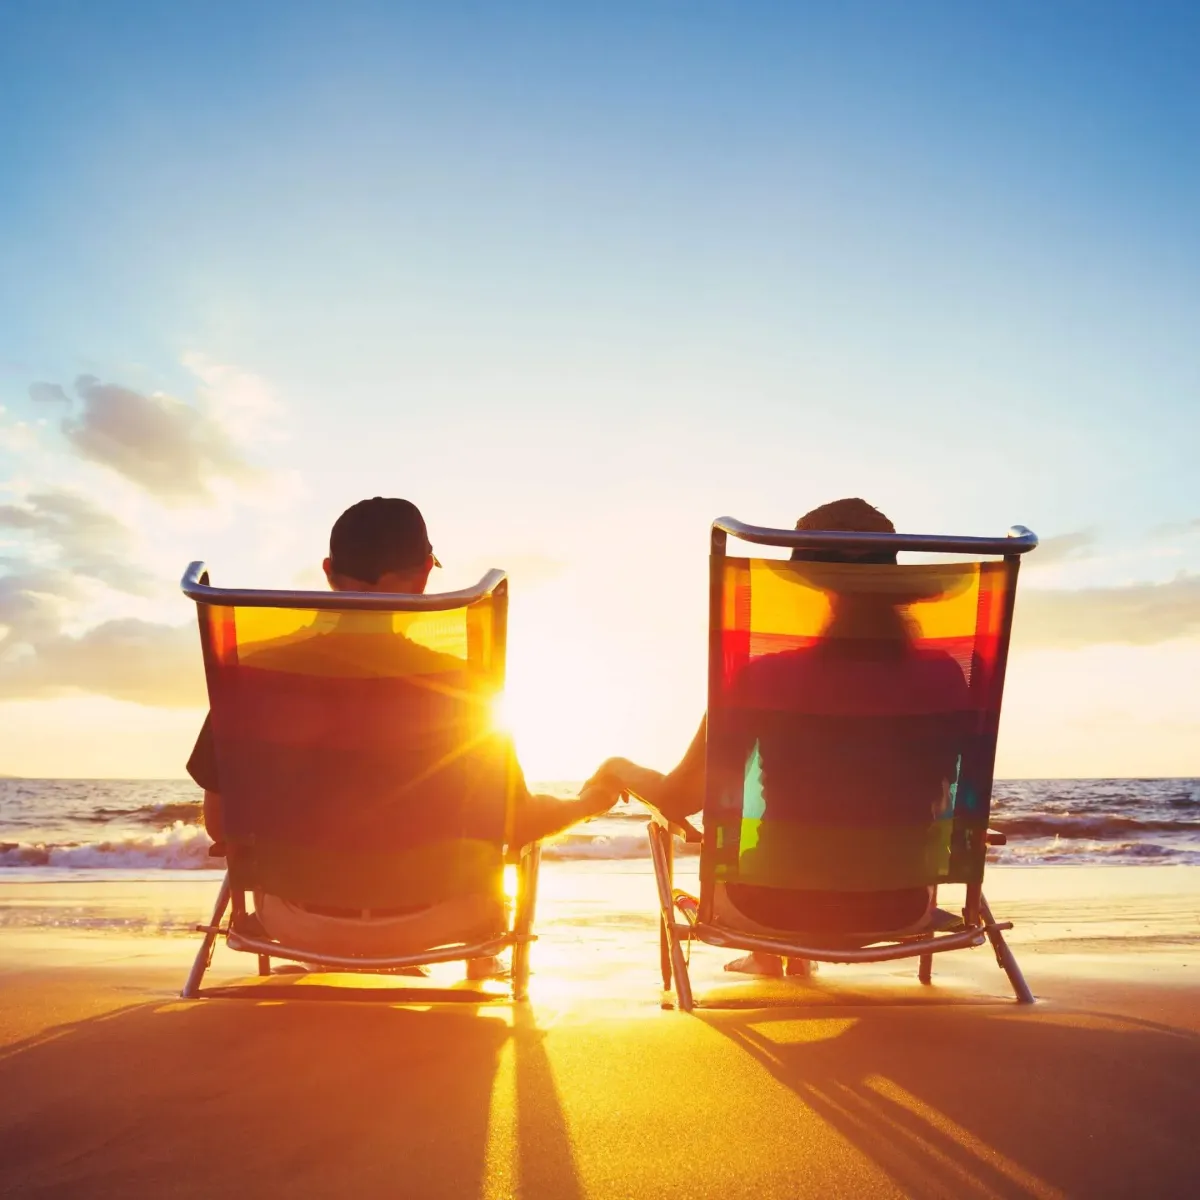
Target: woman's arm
point(677, 795)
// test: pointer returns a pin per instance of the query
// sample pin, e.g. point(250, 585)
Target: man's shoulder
point(331, 651)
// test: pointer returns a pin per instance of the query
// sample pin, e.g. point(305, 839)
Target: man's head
point(380, 545)
point(851, 515)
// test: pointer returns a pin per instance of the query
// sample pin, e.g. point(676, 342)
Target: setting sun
point(563, 697)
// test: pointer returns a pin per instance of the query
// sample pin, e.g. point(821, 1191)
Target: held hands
point(611, 773)
point(601, 792)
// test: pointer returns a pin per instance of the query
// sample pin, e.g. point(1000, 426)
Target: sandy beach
point(859, 1083)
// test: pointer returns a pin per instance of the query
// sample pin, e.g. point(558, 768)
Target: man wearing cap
point(382, 545)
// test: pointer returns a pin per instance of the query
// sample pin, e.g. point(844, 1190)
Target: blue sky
point(577, 282)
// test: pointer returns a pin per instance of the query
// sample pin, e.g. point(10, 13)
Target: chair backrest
point(358, 763)
point(853, 711)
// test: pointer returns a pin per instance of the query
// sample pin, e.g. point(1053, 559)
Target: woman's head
point(872, 617)
point(850, 515)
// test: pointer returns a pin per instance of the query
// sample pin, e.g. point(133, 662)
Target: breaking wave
point(1098, 828)
point(185, 848)
point(181, 847)
point(161, 816)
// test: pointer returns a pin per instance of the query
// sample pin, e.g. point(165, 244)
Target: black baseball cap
point(376, 536)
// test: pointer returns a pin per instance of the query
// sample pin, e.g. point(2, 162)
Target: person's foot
point(486, 968)
point(757, 963)
point(800, 968)
point(248, 925)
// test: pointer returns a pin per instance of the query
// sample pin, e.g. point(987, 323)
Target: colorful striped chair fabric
point(360, 768)
point(358, 761)
point(852, 723)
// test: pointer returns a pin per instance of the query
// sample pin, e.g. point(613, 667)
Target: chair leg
point(683, 982)
point(925, 964)
point(264, 964)
point(661, 856)
point(657, 850)
point(527, 879)
point(664, 954)
point(674, 959)
point(1005, 956)
point(191, 989)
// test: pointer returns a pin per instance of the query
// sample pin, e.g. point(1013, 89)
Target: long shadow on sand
point(970, 1099)
point(265, 1096)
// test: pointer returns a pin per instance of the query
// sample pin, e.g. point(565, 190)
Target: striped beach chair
point(852, 719)
point(360, 771)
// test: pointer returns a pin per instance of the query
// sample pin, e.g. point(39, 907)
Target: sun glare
point(500, 719)
point(563, 698)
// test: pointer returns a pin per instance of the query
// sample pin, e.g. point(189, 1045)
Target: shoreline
point(599, 918)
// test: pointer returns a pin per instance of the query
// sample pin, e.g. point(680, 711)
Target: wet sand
point(860, 1083)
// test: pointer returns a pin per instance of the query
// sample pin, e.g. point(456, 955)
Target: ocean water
point(122, 829)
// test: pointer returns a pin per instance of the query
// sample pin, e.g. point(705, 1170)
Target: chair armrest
point(514, 854)
point(683, 828)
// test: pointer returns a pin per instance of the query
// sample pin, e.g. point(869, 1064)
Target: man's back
point(349, 733)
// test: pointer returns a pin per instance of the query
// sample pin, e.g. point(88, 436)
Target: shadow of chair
point(275, 1097)
point(978, 1101)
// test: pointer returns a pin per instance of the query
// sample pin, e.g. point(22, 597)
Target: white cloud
point(1140, 614)
point(48, 393)
point(17, 438)
point(82, 538)
point(130, 659)
point(243, 403)
point(174, 451)
point(90, 553)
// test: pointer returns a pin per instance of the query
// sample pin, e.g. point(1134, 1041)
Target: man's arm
point(214, 821)
point(202, 767)
point(542, 816)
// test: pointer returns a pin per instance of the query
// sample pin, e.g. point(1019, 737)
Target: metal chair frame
point(979, 925)
point(195, 585)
